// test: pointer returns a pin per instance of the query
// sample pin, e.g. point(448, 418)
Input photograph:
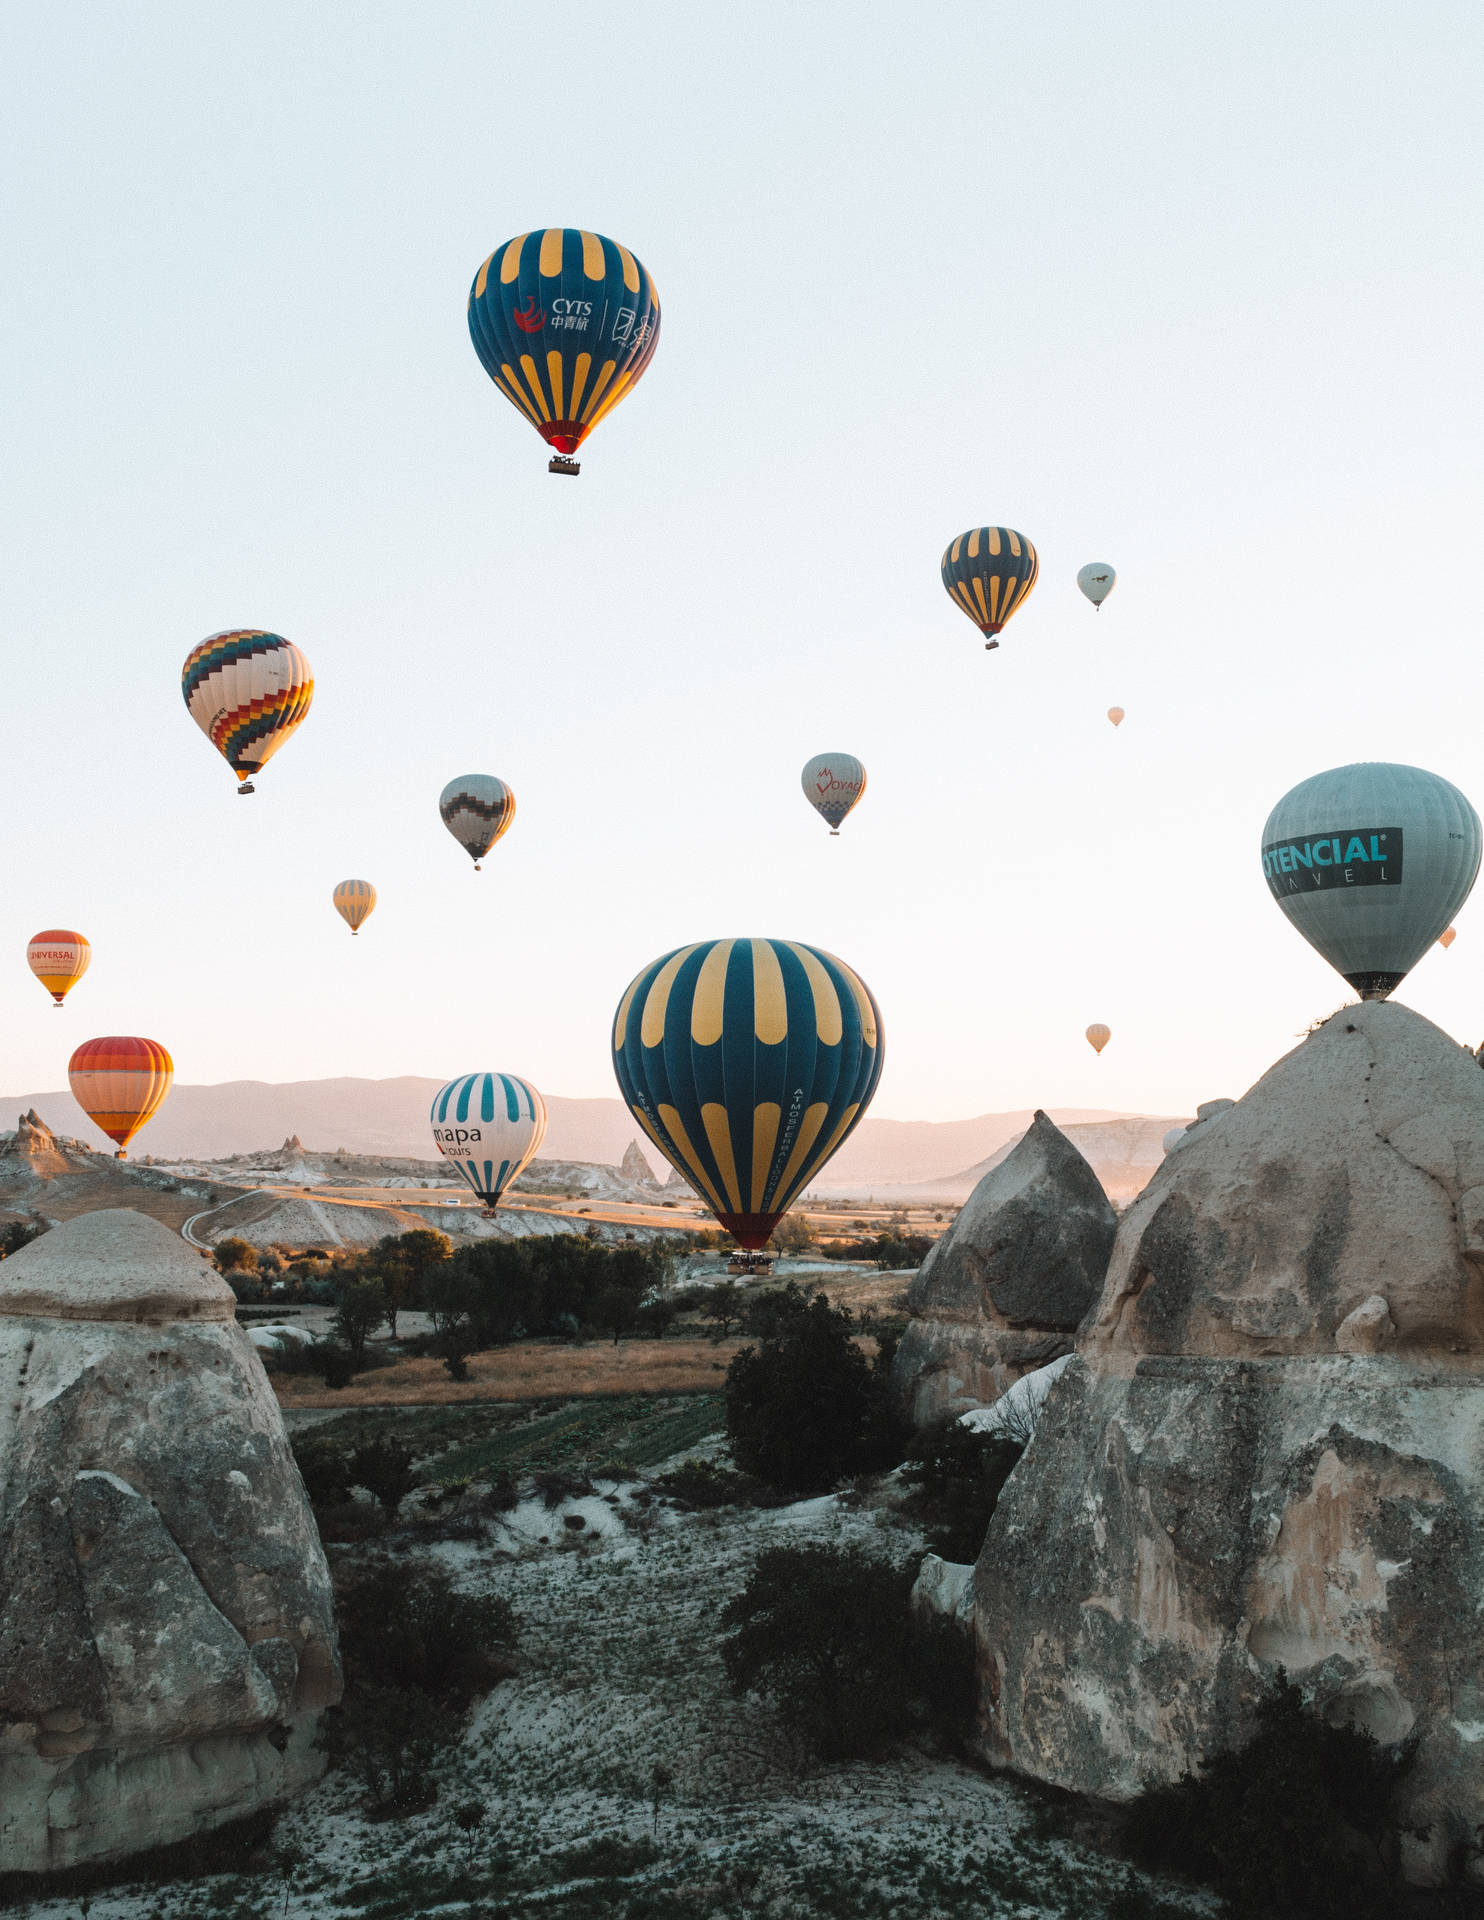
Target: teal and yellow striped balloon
point(748, 1062)
point(988, 572)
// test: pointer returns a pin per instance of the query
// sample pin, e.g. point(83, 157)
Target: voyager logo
point(1349, 857)
point(827, 783)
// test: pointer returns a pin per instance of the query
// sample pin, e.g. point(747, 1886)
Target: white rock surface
point(167, 1639)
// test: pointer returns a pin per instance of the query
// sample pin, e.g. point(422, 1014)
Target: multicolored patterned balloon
point(832, 783)
point(59, 958)
point(476, 808)
point(748, 1062)
point(989, 572)
point(355, 901)
point(247, 691)
point(565, 323)
point(119, 1082)
point(489, 1126)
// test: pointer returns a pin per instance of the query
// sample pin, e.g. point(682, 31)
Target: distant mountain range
point(390, 1117)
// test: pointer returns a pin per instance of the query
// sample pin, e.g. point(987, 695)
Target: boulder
point(1003, 1291)
point(167, 1637)
point(1269, 1449)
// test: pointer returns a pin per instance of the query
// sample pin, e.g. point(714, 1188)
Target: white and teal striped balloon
point(1371, 863)
point(489, 1125)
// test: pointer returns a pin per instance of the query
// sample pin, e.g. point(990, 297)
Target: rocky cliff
point(167, 1640)
point(1269, 1451)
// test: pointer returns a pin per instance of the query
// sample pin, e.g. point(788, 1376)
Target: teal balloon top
point(1370, 863)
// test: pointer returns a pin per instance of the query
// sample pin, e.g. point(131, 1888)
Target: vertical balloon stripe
point(706, 1004)
point(605, 374)
point(594, 262)
point(551, 252)
point(519, 393)
point(533, 381)
point(719, 1133)
point(509, 260)
point(579, 380)
point(765, 1118)
point(769, 997)
point(689, 1160)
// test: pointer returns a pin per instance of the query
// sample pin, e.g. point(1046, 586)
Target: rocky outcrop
point(635, 1168)
point(1003, 1291)
point(1269, 1450)
point(34, 1143)
point(167, 1639)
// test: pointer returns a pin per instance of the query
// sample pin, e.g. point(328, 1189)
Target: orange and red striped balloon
point(59, 958)
point(119, 1082)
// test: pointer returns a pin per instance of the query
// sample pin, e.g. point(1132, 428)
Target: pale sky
point(1193, 290)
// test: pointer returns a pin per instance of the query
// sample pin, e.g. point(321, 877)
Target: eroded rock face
point(1269, 1450)
point(1003, 1291)
point(167, 1639)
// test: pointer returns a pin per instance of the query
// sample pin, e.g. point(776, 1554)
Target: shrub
point(334, 1362)
point(388, 1738)
point(956, 1476)
point(235, 1253)
point(1293, 1823)
point(407, 1628)
point(806, 1409)
point(820, 1632)
point(324, 1470)
point(383, 1466)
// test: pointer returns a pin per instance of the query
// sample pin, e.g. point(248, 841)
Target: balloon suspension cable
point(558, 463)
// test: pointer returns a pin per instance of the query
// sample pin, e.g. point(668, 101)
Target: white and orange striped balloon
point(247, 690)
point(119, 1082)
point(354, 902)
point(59, 958)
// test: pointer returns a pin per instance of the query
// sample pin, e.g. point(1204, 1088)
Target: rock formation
point(167, 1640)
point(635, 1168)
point(1269, 1450)
point(1003, 1290)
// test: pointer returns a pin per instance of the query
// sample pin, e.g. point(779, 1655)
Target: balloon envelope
point(59, 958)
point(1098, 1036)
point(565, 323)
point(1115, 714)
point(832, 784)
point(1370, 863)
point(488, 1126)
point(476, 808)
point(119, 1083)
point(989, 573)
point(1446, 938)
point(748, 1062)
point(247, 691)
point(354, 902)
point(1097, 580)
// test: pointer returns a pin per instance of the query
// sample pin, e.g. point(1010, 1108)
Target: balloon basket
point(559, 464)
point(247, 787)
point(752, 1265)
point(989, 645)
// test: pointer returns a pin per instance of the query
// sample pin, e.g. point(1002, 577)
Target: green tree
point(793, 1234)
point(724, 1307)
point(806, 1409)
point(361, 1311)
point(405, 1264)
point(384, 1468)
point(616, 1310)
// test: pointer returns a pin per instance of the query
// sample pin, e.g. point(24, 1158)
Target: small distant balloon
point(355, 901)
point(833, 783)
point(1097, 580)
point(1446, 938)
point(1370, 863)
point(988, 573)
point(247, 691)
point(1115, 714)
point(1173, 1138)
point(489, 1126)
point(119, 1082)
point(59, 958)
point(476, 808)
point(1098, 1036)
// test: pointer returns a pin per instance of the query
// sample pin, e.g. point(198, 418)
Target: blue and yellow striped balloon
point(988, 572)
point(565, 323)
point(489, 1126)
point(748, 1062)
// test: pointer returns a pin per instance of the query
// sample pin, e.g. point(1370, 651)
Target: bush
point(1294, 1823)
point(324, 1470)
point(956, 1476)
point(806, 1409)
point(388, 1738)
point(363, 1307)
point(335, 1363)
point(406, 1628)
point(235, 1253)
point(384, 1468)
point(820, 1631)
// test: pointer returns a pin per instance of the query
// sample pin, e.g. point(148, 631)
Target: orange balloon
point(59, 958)
point(119, 1082)
point(1446, 938)
point(1115, 714)
point(1098, 1036)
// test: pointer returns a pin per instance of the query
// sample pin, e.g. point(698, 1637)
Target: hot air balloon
point(832, 784)
point(476, 808)
point(989, 572)
point(1115, 714)
point(747, 1062)
point(565, 323)
point(1174, 1138)
point(489, 1125)
point(247, 691)
point(119, 1083)
point(1445, 938)
point(355, 902)
point(1097, 580)
point(1371, 862)
point(1098, 1036)
point(59, 958)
